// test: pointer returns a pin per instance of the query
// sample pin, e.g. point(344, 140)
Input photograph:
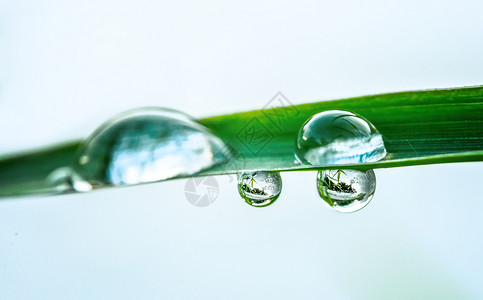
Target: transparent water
point(337, 137)
point(147, 145)
point(259, 188)
point(417, 242)
point(346, 190)
point(66, 180)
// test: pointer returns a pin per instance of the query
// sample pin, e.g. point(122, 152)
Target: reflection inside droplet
point(146, 145)
point(346, 190)
point(338, 137)
point(259, 188)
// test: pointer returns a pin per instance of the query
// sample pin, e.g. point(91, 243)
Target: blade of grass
point(419, 127)
point(422, 127)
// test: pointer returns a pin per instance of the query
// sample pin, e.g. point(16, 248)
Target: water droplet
point(147, 145)
point(259, 188)
point(337, 137)
point(66, 180)
point(346, 190)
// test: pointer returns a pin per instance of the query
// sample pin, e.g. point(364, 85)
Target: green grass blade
point(420, 127)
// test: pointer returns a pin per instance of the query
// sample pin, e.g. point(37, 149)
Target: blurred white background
point(66, 67)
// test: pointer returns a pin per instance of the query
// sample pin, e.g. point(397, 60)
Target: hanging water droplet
point(346, 190)
point(337, 137)
point(259, 188)
point(66, 180)
point(146, 145)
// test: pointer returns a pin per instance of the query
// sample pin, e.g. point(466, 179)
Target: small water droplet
point(66, 180)
point(259, 188)
point(337, 137)
point(147, 145)
point(346, 190)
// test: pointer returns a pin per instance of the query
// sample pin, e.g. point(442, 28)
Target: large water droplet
point(346, 190)
point(146, 145)
point(259, 188)
point(337, 137)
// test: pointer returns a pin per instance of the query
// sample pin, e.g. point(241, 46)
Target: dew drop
point(66, 180)
point(346, 190)
point(147, 145)
point(259, 188)
point(337, 137)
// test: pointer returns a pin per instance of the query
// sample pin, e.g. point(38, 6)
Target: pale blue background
point(65, 67)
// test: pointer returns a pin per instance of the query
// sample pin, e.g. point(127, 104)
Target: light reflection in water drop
point(346, 190)
point(259, 188)
point(337, 137)
point(147, 145)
